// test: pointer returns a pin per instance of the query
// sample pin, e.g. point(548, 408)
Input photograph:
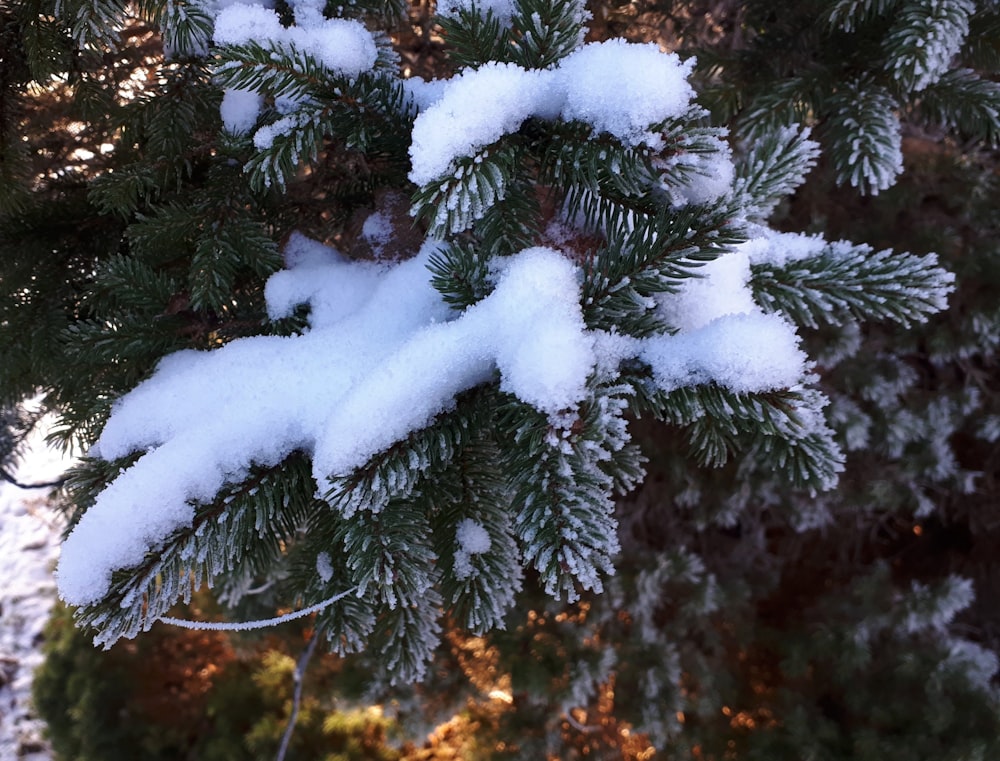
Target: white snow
point(471, 539)
point(240, 23)
point(743, 352)
point(324, 566)
point(342, 45)
point(239, 110)
point(29, 545)
point(384, 356)
point(378, 231)
point(776, 249)
point(360, 380)
point(723, 335)
point(699, 177)
point(719, 289)
point(476, 108)
point(623, 88)
point(616, 87)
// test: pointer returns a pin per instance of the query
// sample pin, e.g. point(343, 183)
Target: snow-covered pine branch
point(434, 427)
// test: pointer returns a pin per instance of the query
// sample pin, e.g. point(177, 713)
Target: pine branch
point(783, 431)
point(395, 473)
point(982, 47)
point(658, 252)
point(598, 176)
point(544, 31)
point(848, 15)
point(130, 283)
point(4, 475)
point(409, 635)
point(566, 523)
point(923, 40)
point(185, 26)
point(122, 337)
point(786, 102)
point(692, 156)
point(299, 678)
point(246, 527)
point(479, 586)
point(864, 136)
point(95, 23)
point(963, 101)
point(223, 248)
point(460, 273)
point(280, 69)
point(774, 166)
point(512, 224)
point(851, 281)
point(454, 202)
point(362, 111)
point(121, 192)
point(475, 36)
point(45, 45)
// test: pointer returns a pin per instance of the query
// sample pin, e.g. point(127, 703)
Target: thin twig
point(299, 676)
point(239, 626)
point(45, 485)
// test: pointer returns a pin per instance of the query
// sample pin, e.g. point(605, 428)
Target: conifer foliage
point(858, 69)
point(341, 329)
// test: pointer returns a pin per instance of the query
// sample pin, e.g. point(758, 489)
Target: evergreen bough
point(185, 231)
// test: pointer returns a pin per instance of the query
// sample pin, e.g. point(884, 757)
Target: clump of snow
point(743, 352)
point(333, 287)
point(240, 23)
point(706, 176)
point(263, 138)
point(616, 87)
point(718, 289)
point(324, 566)
point(776, 249)
point(308, 12)
point(477, 107)
point(471, 539)
point(342, 45)
point(542, 351)
point(360, 380)
point(377, 231)
point(424, 93)
point(240, 109)
point(623, 88)
point(723, 335)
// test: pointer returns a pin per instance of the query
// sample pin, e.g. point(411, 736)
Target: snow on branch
point(615, 87)
point(384, 356)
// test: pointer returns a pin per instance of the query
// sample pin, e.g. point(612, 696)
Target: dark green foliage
point(850, 67)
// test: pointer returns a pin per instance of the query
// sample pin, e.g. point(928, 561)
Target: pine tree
point(435, 316)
